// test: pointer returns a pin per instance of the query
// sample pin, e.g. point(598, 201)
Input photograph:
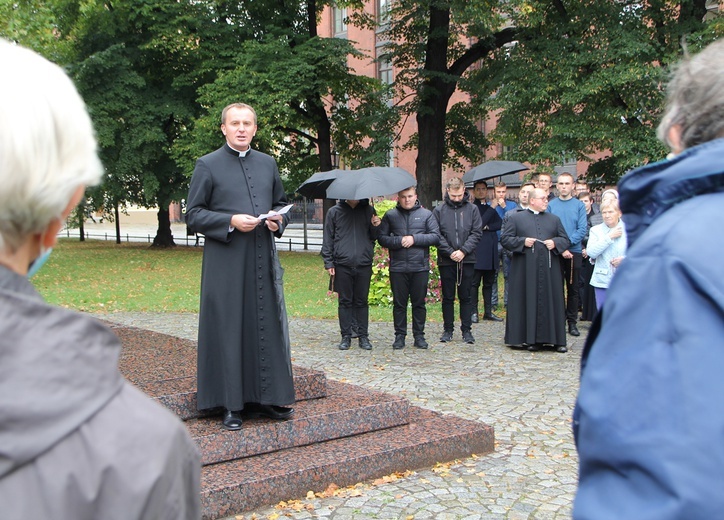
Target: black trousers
point(412, 287)
point(571, 269)
point(458, 279)
point(488, 278)
point(353, 287)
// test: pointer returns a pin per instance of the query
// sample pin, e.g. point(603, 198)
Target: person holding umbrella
point(350, 231)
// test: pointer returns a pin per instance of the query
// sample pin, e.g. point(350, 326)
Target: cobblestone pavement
point(527, 397)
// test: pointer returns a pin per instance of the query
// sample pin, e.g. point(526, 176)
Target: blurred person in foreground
point(649, 421)
point(77, 441)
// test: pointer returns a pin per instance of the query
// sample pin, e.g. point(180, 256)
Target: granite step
point(347, 410)
point(236, 486)
point(179, 394)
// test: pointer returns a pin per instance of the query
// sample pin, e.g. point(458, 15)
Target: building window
point(384, 71)
point(339, 26)
point(383, 11)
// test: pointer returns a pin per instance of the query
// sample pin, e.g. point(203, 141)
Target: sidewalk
point(527, 397)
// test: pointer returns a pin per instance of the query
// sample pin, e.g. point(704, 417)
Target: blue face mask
point(36, 264)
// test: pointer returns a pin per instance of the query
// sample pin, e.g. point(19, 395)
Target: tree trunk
point(117, 217)
point(81, 221)
point(164, 237)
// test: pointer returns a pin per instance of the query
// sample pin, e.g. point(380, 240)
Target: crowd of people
point(579, 246)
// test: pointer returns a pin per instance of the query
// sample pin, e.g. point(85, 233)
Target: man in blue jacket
point(572, 213)
point(408, 231)
point(486, 254)
point(649, 422)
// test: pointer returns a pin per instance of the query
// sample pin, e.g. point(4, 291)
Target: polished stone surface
point(528, 398)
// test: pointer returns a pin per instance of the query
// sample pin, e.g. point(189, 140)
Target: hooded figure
point(77, 441)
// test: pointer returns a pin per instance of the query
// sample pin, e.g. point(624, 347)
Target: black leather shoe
point(573, 330)
point(562, 349)
point(468, 337)
point(420, 342)
point(364, 343)
point(446, 336)
point(492, 317)
point(345, 343)
point(533, 348)
point(474, 318)
point(399, 342)
point(231, 421)
point(270, 411)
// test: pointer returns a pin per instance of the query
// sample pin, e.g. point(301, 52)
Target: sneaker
point(420, 342)
point(468, 337)
point(345, 343)
point(364, 343)
point(446, 336)
point(399, 342)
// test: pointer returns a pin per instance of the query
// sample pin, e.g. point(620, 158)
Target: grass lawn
point(102, 276)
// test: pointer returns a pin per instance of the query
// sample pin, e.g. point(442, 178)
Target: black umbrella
point(492, 169)
point(316, 186)
point(370, 182)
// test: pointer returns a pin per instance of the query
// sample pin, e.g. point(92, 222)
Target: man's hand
point(567, 254)
point(376, 220)
point(272, 223)
point(330, 270)
point(550, 244)
point(408, 241)
point(501, 202)
point(529, 241)
point(244, 223)
point(584, 253)
point(457, 256)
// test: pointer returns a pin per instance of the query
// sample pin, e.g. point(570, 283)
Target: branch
point(481, 48)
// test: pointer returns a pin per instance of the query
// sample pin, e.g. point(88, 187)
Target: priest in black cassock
point(244, 357)
point(536, 308)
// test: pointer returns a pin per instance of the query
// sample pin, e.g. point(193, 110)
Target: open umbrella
point(316, 186)
point(366, 183)
point(492, 169)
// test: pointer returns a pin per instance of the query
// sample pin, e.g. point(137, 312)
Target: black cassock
point(536, 309)
point(243, 349)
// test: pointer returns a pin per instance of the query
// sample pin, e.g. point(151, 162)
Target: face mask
point(36, 264)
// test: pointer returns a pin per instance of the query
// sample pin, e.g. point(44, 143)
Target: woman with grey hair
point(649, 421)
point(607, 246)
point(77, 441)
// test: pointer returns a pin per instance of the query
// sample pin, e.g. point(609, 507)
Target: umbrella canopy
point(316, 186)
point(370, 182)
point(492, 169)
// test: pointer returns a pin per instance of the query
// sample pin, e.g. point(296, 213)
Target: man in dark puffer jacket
point(408, 231)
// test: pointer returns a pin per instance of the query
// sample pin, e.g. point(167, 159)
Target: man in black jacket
point(460, 231)
point(408, 231)
point(486, 254)
point(350, 231)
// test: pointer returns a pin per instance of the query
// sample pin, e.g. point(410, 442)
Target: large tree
point(584, 79)
point(307, 97)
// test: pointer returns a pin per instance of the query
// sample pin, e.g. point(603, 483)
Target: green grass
point(102, 276)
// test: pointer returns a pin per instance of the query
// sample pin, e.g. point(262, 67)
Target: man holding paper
point(244, 359)
point(536, 315)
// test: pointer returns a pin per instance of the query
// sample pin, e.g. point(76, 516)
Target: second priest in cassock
point(536, 309)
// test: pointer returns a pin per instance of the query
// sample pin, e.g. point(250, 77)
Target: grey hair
point(695, 98)
point(47, 146)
